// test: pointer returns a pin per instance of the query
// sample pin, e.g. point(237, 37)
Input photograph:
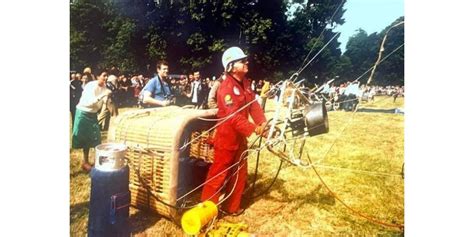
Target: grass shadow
point(78, 173)
point(78, 211)
point(141, 220)
point(316, 196)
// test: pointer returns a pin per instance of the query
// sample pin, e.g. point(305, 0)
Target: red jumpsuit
point(231, 141)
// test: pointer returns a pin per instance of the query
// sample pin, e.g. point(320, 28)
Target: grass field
point(360, 160)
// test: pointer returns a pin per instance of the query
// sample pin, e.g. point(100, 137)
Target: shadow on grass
point(78, 173)
point(317, 195)
point(79, 211)
point(139, 221)
point(142, 220)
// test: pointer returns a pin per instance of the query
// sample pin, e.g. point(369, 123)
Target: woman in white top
point(86, 131)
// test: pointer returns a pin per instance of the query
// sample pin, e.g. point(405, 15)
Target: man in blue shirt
point(157, 92)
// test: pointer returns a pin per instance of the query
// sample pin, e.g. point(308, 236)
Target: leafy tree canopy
point(192, 35)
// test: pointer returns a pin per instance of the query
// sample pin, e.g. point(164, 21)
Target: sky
point(370, 15)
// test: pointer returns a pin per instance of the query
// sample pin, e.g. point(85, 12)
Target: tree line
point(191, 35)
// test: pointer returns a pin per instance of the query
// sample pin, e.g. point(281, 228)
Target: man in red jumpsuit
point(231, 136)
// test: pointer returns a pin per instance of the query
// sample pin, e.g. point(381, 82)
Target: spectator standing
point(212, 98)
point(86, 131)
point(189, 88)
point(110, 107)
point(372, 93)
point(180, 91)
point(125, 91)
point(157, 91)
point(88, 72)
point(263, 93)
point(196, 87)
point(351, 96)
point(204, 94)
point(396, 93)
point(137, 84)
point(75, 91)
point(258, 89)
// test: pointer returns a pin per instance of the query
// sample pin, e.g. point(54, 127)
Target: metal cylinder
point(110, 156)
point(109, 203)
point(194, 219)
point(316, 119)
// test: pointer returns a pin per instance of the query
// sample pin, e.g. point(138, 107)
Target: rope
point(210, 120)
point(321, 34)
point(357, 212)
point(245, 152)
point(222, 120)
point(357, 171)
point(211, 178)
point(309, 62)
point(340, 133)
point(377, 62)
point(380, 61)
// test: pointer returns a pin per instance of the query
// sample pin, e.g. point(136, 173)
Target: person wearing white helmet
point(230, 140)
point(231, 56)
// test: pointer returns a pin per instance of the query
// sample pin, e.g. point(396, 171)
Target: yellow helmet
point(232, 54)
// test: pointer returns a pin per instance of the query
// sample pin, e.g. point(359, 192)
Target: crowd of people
point(347, 95)
point(137, 90)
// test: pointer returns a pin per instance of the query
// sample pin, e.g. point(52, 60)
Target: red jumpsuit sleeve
point(257, 113)
point(241, 124)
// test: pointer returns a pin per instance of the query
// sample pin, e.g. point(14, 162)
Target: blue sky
point(370, 15)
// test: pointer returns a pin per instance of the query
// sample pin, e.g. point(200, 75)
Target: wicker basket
point(154, 138)
point(201, 147)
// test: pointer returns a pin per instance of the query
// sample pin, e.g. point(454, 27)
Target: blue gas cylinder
point(109, 203)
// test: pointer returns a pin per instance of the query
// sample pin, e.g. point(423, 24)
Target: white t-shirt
point(90, 94)
point(196, 89)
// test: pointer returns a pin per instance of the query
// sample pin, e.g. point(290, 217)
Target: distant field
point(360, 159)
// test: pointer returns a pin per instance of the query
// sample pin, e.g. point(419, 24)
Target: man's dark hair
point(113, 71)
point(102, 70)
point(161, 62)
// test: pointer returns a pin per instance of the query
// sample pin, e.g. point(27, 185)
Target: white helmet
point(232, 54)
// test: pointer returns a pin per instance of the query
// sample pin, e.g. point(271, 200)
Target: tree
point(311, 27)
point(362, 51)
point(391, 71)
point(100, 37)
point(86, 34)
point(192, 35)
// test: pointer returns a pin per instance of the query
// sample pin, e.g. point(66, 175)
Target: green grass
point(298, 204)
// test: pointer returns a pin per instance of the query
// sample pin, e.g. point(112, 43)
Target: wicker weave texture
point(201, 147)
point(153, 140)
point(150, 136)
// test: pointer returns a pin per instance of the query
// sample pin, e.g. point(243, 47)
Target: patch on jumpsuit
point(236, 91)
point(228, 99)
